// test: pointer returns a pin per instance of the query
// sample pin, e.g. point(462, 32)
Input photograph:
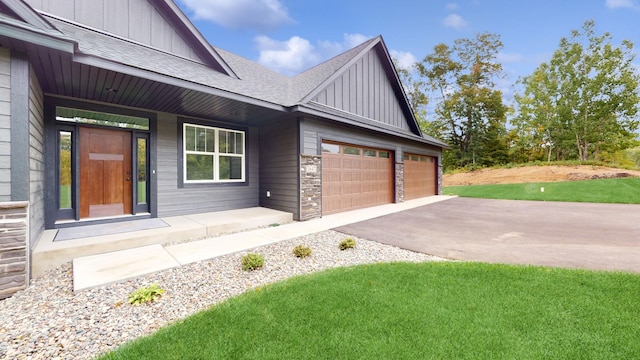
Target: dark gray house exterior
point(112, 110)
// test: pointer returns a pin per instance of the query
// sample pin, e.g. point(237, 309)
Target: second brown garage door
point(355, 177)
point(419, 176)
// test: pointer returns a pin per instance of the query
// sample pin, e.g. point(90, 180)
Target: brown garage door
point(355, 177)
point(419, 176)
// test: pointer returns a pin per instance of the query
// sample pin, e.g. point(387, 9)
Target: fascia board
point(28, 35)
point(26, 13)
point(369, 126)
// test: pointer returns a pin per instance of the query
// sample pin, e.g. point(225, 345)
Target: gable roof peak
point(309, 81)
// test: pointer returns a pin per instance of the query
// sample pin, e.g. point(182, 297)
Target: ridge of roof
point(274, 84)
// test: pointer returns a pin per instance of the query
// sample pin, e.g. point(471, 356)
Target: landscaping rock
point(48, 320)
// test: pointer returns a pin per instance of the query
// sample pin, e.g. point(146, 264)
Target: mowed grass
point(436, 310)
point(621, 190)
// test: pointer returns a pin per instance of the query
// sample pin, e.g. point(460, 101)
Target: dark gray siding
point(315, 131)
point(174, 200)
point(36, 159)
point(137, 20)
point(5, 125)
point(279, 172)
point(365, 90)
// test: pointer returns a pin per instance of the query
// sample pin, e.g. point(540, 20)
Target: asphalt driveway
point(572, 235)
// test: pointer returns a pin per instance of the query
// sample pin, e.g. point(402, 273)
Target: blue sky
point(290, 36)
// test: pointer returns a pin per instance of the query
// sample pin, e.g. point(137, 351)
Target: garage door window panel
point(349, 150)
point(330, 148)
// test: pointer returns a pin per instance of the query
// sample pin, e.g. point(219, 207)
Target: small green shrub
point(252, 262)
point(145, 294)
point(301, 251)
point(347, 243)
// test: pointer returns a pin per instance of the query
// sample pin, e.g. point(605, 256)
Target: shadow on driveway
point(571, 235)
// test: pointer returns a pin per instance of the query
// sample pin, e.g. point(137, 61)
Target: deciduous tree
point(584, 100)
point(461, 80)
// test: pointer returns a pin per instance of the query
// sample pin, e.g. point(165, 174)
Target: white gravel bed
point(49, 321)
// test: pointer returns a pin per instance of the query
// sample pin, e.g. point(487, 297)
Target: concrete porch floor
point(49, 254)
point(118, 257)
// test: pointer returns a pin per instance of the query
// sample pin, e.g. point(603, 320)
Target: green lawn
point(622, 190)
point(142, 192)
point(439, 310)
point(65, 196)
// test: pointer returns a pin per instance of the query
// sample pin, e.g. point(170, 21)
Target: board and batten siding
point(36, 159)
point(191, 199)
point(279, 172)
point(137, 20)
point(5, 125)
point(365, 90)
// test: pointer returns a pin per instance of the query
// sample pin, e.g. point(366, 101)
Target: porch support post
point(19, 127)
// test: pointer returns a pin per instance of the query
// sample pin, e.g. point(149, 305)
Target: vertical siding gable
point(114, 20)
point(140, 12)
point(90, 12)
point(138, 20)
point(364, 89)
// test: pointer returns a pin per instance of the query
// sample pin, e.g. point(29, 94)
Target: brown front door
point(105, 172)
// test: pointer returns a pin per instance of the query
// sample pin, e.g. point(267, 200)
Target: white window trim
point(216, 155)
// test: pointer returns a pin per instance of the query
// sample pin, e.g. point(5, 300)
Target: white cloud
point(454, 21)
point(287, 57)
point(292, 56)
point(510, 57)
point(405, 60)
point(622, 4)
point(252, 14)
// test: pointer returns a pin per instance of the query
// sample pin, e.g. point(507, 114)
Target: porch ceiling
point(88, 78)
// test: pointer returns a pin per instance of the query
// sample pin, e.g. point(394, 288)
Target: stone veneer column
point(14, 245)
point(399, 182)
point(310, 187)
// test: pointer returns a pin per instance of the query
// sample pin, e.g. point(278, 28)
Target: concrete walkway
point(97, 270)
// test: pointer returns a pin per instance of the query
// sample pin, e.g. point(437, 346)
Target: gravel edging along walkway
point(49, 321)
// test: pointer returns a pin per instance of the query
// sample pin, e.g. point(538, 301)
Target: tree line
point(580, 105)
